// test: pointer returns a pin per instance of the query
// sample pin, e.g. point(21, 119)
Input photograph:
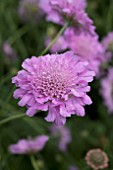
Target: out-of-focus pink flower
point(58, 46)
point(97, 159)
point(73, 168)
point(87, 47)
point(57, 83)
point(107, 90)
point(58, 7)
point(10, 54)
point(63, 133)
point(107, 43)
point(71, 11)
point(29, 9)
point(29, 146)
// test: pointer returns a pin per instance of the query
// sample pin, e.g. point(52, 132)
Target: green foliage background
point(93, 131)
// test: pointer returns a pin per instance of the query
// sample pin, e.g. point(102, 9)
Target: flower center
point(97, 159)
point(54, 82)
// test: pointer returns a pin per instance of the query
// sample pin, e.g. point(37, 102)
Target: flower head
point(87, 47)
point(29, 9)
point(107, 90)
point(29, 146)
point(64, 136)
point(71, 11)
point(97, 159)
point(57, 83)
point(63, 6)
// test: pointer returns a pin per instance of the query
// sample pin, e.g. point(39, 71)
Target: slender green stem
point(55, 39)
point(109, 17)
point(6, 120)
point(34, 163)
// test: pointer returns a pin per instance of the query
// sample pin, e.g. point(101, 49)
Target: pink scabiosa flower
point(70, 11)
point(97, 159)
point(107, 90)
point(87, 47)
point(29, 146)
point(29, 9)
point(57, 83)
point(63, 133)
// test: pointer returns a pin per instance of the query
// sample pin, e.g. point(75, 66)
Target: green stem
point(109, 17)
point(6, 120)
point(55, 39)
point(34, 163)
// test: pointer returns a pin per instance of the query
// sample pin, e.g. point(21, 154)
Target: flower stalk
point(6, 120)
point(34, 163)
point(55, 39)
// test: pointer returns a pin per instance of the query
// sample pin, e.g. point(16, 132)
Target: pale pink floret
point(25, 146)
point(56, 83)
point(87, 47)
point(107, 90)
point(71, 11)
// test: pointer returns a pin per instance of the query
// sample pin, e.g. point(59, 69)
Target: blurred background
point(21, 36)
